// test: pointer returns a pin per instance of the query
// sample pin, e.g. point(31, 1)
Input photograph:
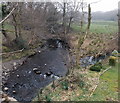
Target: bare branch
point(8, 14)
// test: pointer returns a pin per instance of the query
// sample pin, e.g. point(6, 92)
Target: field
point(106, 27)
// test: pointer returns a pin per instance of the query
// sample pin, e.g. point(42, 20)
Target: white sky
point(103, 5)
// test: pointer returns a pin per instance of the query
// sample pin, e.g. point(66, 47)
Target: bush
point(81, 84)
point(97, 67)
point(64, 85)
point(20, 43)
point(112, 61)
point(48, 99)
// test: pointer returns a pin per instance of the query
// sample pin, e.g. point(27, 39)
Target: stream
point(91, 60)
point(40, 69)
point(37, 71)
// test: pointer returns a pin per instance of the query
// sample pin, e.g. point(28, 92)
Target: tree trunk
point(19, 19)
point(5, 34)
point(89, 17)
point(15, 25)
point(3, 31)
point(82, 18)
point(64, 18)
point(69, 25)
point(118, 26)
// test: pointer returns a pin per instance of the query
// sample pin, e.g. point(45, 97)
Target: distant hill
point(109, 16)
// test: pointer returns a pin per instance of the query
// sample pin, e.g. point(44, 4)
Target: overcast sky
point(100, 5)
point(104, 5)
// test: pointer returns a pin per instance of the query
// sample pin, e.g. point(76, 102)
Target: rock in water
point(48, 73)
point(39, 51)
point(44, 76)
point(45, 64)
point(34, 69)
point(29, 72)
point(5, 88)
point(38, 72)
point(14, 64)
point(14, 92)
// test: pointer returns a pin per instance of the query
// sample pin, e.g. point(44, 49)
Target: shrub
point(81, 84)
point(112, 61)
point(20, 43)
point(97, 67)
point(48, 99)
point(64, 85)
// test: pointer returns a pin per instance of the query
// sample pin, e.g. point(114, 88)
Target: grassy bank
point(79, 86)
point(108, 87)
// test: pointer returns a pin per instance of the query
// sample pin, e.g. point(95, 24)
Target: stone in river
point(34, 69)
point(14, 92)
point(38, 72)
point(48, 73)
point(18, 75)
point(5, 88)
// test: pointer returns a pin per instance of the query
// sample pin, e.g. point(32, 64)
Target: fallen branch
point(12, 52)
point(98, 82)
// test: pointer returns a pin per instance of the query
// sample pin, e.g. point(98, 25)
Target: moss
point(112, 61)
point(97, 67)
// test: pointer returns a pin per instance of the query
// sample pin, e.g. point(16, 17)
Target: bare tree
point(73, 9)
point(17, 19)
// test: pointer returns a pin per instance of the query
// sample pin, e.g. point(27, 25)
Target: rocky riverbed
point(27, 76)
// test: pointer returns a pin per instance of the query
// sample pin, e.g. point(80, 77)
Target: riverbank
point(81, 84)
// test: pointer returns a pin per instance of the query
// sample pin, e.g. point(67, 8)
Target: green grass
point(106, 27)
point(106, 90)
point(108, 86)
point(8, 26)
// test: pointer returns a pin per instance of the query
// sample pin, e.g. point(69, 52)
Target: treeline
point(108, 16)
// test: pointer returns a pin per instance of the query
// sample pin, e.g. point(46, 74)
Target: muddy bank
point(37, 71)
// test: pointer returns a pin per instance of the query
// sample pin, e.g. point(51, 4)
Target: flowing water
point(37, 71)
point(91, 60)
